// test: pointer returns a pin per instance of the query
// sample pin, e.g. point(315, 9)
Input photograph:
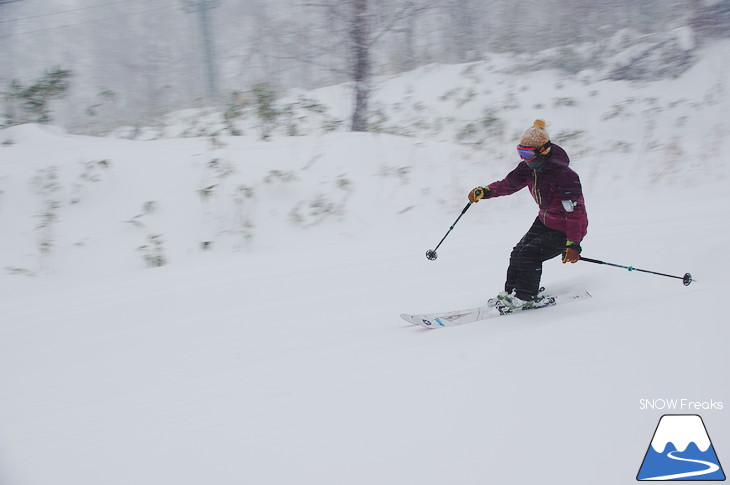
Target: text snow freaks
point(679, 405)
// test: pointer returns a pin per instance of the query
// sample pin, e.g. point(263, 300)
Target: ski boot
point(492, 302)
point(510, 304)
point(502, 295)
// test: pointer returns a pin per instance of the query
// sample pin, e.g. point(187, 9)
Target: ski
point(461, 317)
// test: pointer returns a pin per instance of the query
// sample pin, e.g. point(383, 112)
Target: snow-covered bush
point(266, 110)
point(627, 55)
point(147, 208)
point(47, 185)
point(91, 172)
point(487, 126)
point(244, 200)
point(153, 252)
point(30, 104)
point(234, 112)
point(653, 57)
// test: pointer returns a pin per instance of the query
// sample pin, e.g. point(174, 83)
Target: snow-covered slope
point(268, 348)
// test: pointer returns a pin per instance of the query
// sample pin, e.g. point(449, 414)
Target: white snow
point(680, 430)
point(277, 354)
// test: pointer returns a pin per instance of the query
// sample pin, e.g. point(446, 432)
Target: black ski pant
point(525, 263)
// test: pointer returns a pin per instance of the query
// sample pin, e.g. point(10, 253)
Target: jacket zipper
point(536, 193)
point(538, 198)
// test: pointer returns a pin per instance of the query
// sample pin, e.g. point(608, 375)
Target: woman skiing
point(561, 223)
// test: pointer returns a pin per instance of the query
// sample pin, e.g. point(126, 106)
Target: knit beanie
point(535, 136)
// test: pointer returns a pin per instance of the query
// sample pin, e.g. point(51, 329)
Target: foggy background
point(133, 60)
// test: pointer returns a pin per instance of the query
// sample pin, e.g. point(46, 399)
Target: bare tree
point(354, 28)
point(462, 15)
point(361, 71)
point(203, 8)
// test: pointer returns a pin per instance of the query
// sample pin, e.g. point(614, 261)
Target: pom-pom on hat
point(535, 136)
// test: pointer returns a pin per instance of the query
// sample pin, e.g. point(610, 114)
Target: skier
point(561, 223)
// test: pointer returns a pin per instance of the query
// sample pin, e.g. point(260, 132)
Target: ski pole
point(431, 253)
point(686, 279)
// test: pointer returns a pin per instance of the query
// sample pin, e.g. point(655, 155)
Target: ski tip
point(421, 321)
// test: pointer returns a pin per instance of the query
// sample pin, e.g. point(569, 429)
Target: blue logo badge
point(681, 450)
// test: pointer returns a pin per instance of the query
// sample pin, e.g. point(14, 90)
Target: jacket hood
point(558, 157)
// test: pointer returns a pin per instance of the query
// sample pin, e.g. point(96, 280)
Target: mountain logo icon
point(681, 450)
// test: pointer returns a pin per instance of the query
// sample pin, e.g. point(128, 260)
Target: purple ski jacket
point(556, 189)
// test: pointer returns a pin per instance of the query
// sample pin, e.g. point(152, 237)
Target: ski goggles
point(527, 154)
